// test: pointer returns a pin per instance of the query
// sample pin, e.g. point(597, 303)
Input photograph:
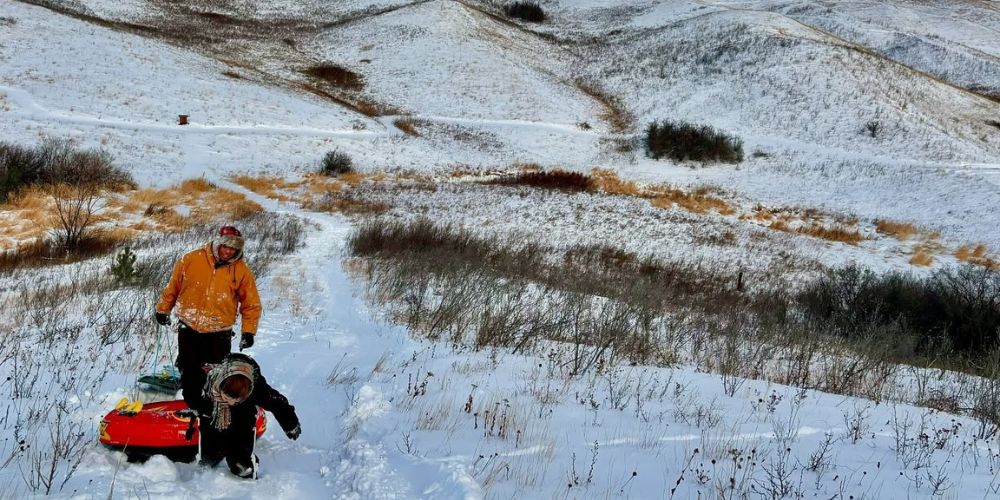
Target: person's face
point(226, 253)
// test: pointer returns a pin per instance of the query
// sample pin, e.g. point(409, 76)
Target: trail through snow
point(331, 330)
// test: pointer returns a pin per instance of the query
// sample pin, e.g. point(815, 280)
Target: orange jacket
point(207, 297)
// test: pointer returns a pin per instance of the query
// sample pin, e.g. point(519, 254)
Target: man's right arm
point(169, 295)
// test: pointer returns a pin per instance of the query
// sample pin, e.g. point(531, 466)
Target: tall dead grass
point(898, 230)
point(835, 232)
point(698, 201)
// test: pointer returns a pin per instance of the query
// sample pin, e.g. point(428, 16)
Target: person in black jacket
point(228, 414)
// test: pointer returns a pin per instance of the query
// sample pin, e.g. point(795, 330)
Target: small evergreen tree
point(123, 267)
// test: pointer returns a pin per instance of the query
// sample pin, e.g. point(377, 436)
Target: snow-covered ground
point(386, 415)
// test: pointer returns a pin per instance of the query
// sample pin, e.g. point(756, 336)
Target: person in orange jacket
point(209, 286)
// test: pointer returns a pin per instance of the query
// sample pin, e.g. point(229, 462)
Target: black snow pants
point(235, 443)
point(194, 350)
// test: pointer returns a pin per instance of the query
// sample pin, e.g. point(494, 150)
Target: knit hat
point(228, 384)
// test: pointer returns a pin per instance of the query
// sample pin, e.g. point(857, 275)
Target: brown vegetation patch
point(921, 259)
point(346, 203)
point(698, 201)
point(197, 185)
point(407, 126)
point(562, 180)
point(335, 75)
point(42, 252)
point(898, 230)
point(613, 112)
point(607, 180)
point(836, 232)
point(977, 255)
point(268, 186)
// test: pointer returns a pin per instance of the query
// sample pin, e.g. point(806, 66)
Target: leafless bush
point(856, 422)
point(872, 127)
point(821, 459)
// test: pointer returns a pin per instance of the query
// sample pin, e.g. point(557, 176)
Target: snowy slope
point(386, 416)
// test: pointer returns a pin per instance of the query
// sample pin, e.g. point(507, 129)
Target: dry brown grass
point(197, 185)
point(899, 230)
point(407, 125)
point(30, 198)
point(966, 253)
point(920, 258)
point(373, 109)
point(272, 187)
point(346, 203)
point(835, 232)
point(977, 255)
point(699, 201)
point(613, 111)
point(608, 181)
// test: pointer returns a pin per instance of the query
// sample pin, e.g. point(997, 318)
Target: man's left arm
point(250, 307)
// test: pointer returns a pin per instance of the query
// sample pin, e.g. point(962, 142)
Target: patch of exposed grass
point(335, 75)
point(835, 232)
point(899, 230)
point(407, 126)
point(977, 255)
point(269, 186)
point(196, 186)
point(346, 203)
point(607, 180)
point(922, 259)
point(697, 201)
point(43, 252)
point(613, 111)
point(558, 179)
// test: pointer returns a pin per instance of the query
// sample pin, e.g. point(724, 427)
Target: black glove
point(246, 340)
point(294, 433)
point(162, 319)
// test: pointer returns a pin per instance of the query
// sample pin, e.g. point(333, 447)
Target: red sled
point(160, 428)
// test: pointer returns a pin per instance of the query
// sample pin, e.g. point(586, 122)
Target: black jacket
point(244, 415)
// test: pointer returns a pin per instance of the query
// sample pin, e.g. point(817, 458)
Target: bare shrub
point(873, 127)
point(527, 11)
point(76, 208)
point(683, 142)
point(336, 163)
point(57, 161)
point(955, 307)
